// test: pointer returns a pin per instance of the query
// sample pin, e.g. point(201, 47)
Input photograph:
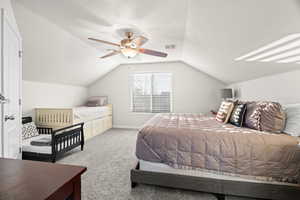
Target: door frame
point(5, 20)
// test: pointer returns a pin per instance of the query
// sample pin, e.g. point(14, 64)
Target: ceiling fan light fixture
point(130, 47)
point(129, 52)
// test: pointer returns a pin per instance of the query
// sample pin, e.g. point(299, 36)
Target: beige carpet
point(109, 158)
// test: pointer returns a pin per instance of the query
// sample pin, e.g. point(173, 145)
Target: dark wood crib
point(62, 141)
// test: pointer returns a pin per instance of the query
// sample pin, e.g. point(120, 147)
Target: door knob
point(9, 117)
point(3, 100)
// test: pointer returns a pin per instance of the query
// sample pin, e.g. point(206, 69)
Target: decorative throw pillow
point(265, 116)
point(250, 120)
point(225, 111)
point(292, 126)
point(29, 130)
point(237, 115)
point(273, 117)
point(97, 101)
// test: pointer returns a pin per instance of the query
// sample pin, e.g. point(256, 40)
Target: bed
point(196, 152)
point(96, 119)
point(60, 141)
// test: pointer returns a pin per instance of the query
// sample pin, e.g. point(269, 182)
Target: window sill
point(147, 113)
point(142, 113)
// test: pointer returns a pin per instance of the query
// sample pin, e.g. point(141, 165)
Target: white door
point(11, 89)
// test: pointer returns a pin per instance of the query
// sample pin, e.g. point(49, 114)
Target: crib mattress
point(27, 147)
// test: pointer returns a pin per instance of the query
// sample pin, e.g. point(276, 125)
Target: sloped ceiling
point(217, 32)
point(208, 34)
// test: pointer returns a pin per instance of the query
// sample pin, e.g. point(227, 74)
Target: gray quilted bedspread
point(196, 141)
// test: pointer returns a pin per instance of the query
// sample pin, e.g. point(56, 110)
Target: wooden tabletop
point(31, 180)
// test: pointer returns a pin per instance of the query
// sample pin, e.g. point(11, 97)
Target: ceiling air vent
point(170, 46)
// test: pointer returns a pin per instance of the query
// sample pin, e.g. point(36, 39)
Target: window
point(151, 92)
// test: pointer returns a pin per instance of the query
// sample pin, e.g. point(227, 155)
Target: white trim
point(2, 76)
point(5, 21)
point(126, 127)
point(141, 113)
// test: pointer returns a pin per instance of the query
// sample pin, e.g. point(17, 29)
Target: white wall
point(283, 88)
point(193, 91)
point(45, 95)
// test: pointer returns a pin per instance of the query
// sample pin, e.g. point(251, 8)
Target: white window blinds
point(151, 92)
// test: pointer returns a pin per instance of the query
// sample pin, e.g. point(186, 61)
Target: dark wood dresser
point(30, 180)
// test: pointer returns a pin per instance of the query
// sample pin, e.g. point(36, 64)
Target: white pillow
point(96, 101)
point(292, 126)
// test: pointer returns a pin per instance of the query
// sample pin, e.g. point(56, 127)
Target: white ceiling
point(219, 31)
point(208, 34)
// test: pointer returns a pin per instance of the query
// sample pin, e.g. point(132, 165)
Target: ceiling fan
point(130, 47)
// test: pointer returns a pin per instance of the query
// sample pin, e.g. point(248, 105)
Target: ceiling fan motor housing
point(129, 35)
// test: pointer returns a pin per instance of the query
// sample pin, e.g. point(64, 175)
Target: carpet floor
point(109, 158)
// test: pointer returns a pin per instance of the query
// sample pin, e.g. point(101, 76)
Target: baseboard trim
point(126, 127)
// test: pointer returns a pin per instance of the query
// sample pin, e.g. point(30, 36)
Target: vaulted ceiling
point(208, 34)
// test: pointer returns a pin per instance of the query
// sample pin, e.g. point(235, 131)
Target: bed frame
point(61, 117)
point(219, 187)
point(62, 141)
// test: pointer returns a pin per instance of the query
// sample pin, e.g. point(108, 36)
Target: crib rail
point(44, 131)
point(67, 138)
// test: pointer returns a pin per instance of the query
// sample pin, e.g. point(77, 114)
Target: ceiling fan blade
point(105, 42)
point(140, 40)
point(153, 53)
point(111, 54)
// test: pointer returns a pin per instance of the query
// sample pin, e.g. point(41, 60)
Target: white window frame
point(131, 90)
